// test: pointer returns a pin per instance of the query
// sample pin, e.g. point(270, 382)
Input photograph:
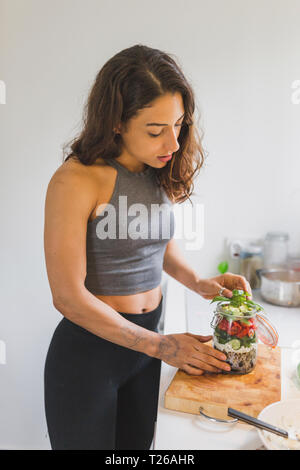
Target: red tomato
point(243, 332)
point(235, 328)
point(223, 325)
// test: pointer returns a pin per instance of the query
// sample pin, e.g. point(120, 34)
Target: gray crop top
point(125, 244)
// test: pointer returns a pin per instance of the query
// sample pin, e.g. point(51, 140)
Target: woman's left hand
point(209, 288)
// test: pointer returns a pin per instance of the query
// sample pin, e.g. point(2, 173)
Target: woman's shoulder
point(77, 181)
point(74, 164)
point(73, 168)
point(74, 182)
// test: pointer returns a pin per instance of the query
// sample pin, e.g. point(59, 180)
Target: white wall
point(241, 57)
point(245, 59)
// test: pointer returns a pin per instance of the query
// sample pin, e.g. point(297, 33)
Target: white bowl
point(284, 414)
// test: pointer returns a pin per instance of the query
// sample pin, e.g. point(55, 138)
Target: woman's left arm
point(177, 267)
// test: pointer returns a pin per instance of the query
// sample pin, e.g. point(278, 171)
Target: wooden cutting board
point(214, 393)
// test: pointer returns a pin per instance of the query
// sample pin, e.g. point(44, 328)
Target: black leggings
point(99, 395)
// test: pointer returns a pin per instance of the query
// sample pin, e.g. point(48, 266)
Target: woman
point(138, 150)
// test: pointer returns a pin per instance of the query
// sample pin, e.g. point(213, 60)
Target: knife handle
point(256, 422)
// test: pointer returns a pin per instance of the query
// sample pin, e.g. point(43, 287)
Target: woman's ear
point(117, 129)
point(122, 127)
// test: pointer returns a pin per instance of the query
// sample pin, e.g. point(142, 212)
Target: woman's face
point(153, 133)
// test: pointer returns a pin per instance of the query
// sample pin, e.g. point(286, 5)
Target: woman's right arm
point(70, 199)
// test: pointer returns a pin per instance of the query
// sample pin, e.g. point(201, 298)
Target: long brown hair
point(126, 83)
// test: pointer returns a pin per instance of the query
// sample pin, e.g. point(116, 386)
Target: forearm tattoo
point(131, 336)
point(168, 347)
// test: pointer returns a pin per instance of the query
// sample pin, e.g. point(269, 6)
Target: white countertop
point(184, 431)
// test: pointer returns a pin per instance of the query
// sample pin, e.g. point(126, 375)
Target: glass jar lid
point(279, 236)
point(266, 331)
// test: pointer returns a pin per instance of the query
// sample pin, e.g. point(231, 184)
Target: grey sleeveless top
point(125, 244)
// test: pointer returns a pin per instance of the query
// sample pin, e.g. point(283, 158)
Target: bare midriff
point(142, 302)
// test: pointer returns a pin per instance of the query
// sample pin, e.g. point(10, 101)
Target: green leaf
point(250, 303)
point(223, 267)
point(222, 341)
point(237, 292)
point(239, 298)
point(221, 333)
point(219, 298)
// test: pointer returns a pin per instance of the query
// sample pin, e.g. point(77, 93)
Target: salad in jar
point(235, 334)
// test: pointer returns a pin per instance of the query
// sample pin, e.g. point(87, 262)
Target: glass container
point(236, 334)
point(251, 260)
point(276, 250)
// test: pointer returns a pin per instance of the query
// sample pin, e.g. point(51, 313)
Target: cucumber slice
point(235, 344)
point(245, 322)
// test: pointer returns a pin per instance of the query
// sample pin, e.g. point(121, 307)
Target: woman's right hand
point(187, 352)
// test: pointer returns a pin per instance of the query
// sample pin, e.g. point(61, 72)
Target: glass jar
point(235, 335)
point(276, 250)
point(251, 260)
